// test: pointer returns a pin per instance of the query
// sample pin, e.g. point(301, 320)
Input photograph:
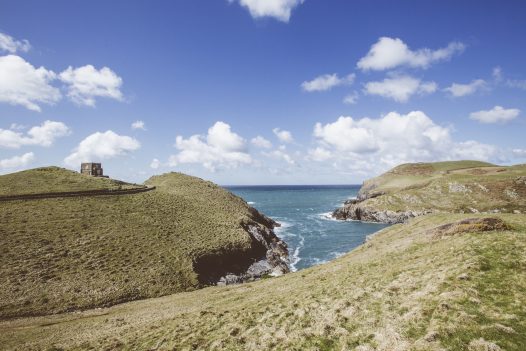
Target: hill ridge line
point(84, 193)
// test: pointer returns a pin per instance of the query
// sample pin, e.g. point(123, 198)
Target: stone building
point(92, 169)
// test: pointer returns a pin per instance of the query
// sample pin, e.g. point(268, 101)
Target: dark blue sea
point(304, 213)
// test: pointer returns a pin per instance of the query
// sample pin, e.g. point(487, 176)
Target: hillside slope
point(424, 285)
point(55, 179)
point(414, 189)
point(66, 254)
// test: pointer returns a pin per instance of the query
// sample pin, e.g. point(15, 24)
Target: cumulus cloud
point(458, 90)
point(220, 148)
point(497, 73)
point(261, 142)
point(400, 88)
point(24, 85)
point(86, 83)
point(138, 125)
point(11, 45)
point(281, 154)
point(155, 163)
point(283, 135)
point(389, 53)
point(495, 115)
point(319, 154)
point(326, 82)
point(278, 9)
point(42, 135)
point(390, 140)
point(514, 83)
point(17, 161)
point(351, 99)
point(100, 146)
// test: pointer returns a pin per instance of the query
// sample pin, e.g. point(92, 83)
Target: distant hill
point(55, 179)
point(66, 254)
point(458, 186)
point(439, 282)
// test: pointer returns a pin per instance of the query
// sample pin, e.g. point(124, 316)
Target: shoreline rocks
point(271, 254)
point(354, 210)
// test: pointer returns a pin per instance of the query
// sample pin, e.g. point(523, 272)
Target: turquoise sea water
point(304, 213)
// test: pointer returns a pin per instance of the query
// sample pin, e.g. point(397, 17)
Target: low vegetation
point(55, 179)
point(67, 254)
point(404, 289)
point(459, 186)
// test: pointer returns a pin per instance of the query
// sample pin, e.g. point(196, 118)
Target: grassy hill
point(459, 186)
point(55, 179)
point(67, 254)
point(438, 282)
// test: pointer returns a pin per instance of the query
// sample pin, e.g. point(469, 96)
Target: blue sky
point(260, 91)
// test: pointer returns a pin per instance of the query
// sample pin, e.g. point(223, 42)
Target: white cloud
point(326, 82)
point(497, 73)
point(400, 88)
point(390, 140)
point(24, 85)
point(495, 115)
point(351, 99)
point(278, 9)
point(458, 90)
point(319, 154)
point(261, 142)
point(514, 83)
point(100, 146)
point(86, 83)
point(521, 153)
point(283, 135)
point(389, 53)
point(221, 148)
point(17, 161)
point(43, 135)
point(155, 163)
point(280, 154)
point(138, 125)
point(11, 45)
point(16, 126)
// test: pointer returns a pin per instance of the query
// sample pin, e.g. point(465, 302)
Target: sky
point(247, 92)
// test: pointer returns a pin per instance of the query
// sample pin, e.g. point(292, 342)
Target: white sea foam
point(295, 258)
point(318, 261)
point(327, 216)
point(251, 203)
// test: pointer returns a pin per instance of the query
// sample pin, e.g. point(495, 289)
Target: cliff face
point(74, 253)
point(359, 211)
point(413, 190)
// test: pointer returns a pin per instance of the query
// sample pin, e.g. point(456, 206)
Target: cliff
point(74, 253)
point(412, 190)
point(438, 282)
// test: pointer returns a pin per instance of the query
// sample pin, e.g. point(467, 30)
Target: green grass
point(68, 254)
point(462, 186)
point(405, 289)
point(55, 179)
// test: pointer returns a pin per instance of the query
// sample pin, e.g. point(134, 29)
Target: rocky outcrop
point(355, 210)
point(268, 256)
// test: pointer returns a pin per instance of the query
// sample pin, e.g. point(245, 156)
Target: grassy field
point(423, 285)
point(68, 254)
point(55, 179)
point(462, 186)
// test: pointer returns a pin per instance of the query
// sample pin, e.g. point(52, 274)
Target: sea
point(304, 212)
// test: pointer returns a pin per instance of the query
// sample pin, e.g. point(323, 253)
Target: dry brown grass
point(67, 254)
point(399, 291)
point(469, 225)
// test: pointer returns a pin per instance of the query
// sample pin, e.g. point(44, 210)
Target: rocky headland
point(69, 253)
point(417, 189)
